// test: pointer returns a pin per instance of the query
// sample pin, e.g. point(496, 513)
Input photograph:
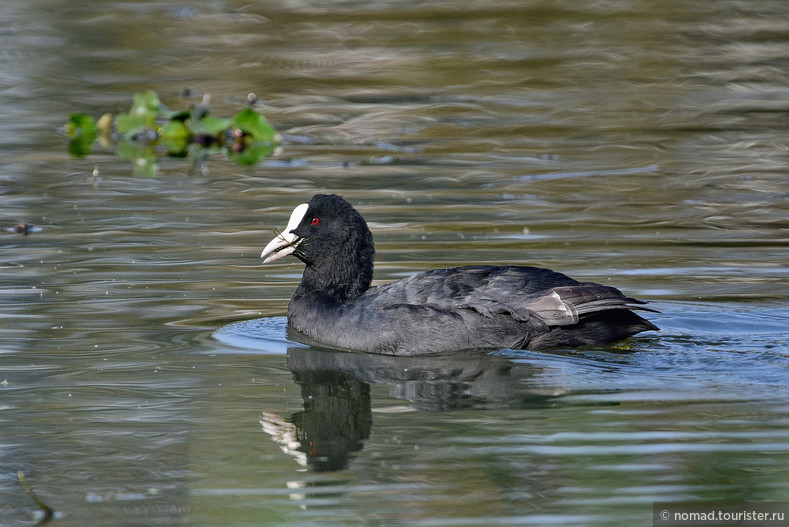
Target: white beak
point(285, 242)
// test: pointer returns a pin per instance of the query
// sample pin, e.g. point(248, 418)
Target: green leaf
point(146, 105)
point(252, 153)
point(142, 156)
point(80, 124)
point(255, 125)
point(175, 136)
point(142, 115)
point(129, 125)
point(82, 130)
point(208, 125)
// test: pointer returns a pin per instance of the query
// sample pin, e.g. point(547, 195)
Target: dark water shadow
point(336, 391)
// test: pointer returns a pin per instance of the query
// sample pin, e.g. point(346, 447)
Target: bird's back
point(498, 306)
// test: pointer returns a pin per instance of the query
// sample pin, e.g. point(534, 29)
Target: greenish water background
point(642, 144)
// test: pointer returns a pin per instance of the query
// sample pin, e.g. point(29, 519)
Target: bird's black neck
point(340, 277)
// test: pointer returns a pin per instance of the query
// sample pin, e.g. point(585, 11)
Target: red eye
point(315, 221)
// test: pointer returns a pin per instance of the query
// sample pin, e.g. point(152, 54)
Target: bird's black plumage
point(477, 306)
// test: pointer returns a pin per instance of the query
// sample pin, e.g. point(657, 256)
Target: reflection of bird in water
point(283, 433)
point(337, 417)
point(335, 388)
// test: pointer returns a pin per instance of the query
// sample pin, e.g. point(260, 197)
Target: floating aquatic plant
point(150, 130)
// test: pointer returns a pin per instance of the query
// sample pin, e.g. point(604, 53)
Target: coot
point(475, 306)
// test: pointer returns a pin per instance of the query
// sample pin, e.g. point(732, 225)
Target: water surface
point(148, 377)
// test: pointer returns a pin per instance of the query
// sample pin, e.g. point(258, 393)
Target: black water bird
point(475, 306)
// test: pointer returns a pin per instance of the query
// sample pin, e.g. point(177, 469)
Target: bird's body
point(479, 306)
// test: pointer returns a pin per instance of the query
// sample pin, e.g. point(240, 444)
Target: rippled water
point(147, 375)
